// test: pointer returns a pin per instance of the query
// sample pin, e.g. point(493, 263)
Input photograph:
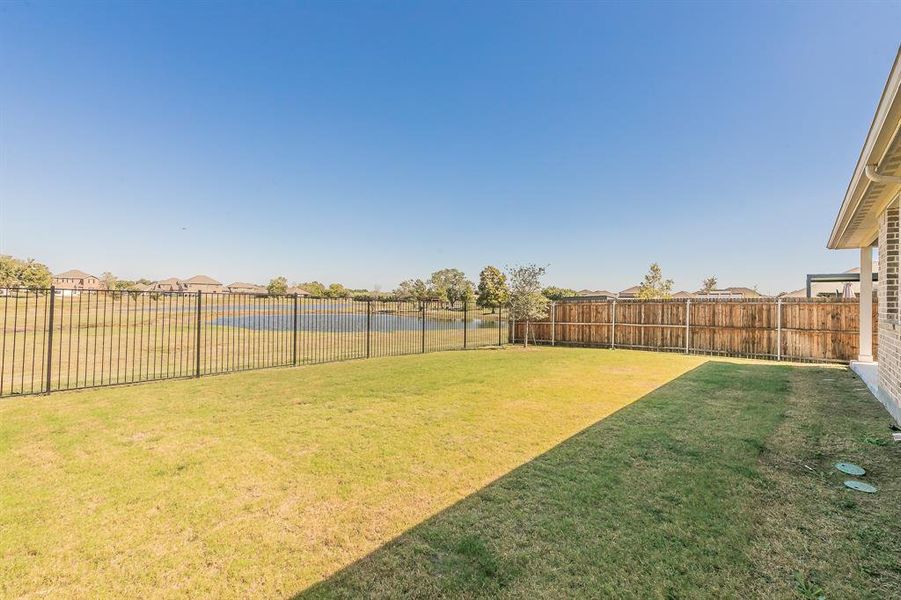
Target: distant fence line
point(61, 339)
point(768, 328)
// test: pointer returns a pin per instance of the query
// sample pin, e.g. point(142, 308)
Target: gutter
point(874, 176)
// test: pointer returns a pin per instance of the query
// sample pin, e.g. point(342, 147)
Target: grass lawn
point(541, 473)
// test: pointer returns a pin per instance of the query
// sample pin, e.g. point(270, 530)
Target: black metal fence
point(62, 339)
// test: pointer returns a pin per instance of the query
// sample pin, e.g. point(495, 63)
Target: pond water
point(347, 322)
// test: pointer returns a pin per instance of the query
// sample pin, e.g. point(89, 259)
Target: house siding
point(889, 331)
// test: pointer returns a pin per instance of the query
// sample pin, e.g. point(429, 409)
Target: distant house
point(74, 281)
point(172, 284)
point(683, 295)
point(631, 292)
point(729, 293)
point(202, 283)
point(240, 287)
point(596, 294)
point(296, 290)
point(802, 293)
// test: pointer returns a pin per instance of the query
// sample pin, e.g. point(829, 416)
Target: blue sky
point(371, 142)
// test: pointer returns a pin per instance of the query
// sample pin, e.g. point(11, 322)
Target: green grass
point(542, 473)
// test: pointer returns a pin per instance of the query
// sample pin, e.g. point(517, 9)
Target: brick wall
point(889, 323)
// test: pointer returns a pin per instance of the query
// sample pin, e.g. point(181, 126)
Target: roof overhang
point(856, 225)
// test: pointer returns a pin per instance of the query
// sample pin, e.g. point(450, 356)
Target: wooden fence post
point(613, 327)
point(779, 329)
point(687, 324)
point(553, 321)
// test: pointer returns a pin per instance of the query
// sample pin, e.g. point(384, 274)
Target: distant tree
point(493, 290)
point(108, 280)
point(414, 289)
point(9, 271)
point(555, 293)
point(336, 290)
point(278, 286)
point(708, 285)
point(527, 303)
point(654, 285)
point(15, 272)
point(314, 288)
point(451, 285)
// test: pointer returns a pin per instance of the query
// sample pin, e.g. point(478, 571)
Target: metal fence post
point(368, 325)
point(423, 327)
point(512, 336)
point(197, 352)
point(553, 323)
point(294, 352)
point(50, 338)
point(779, 329)
point(613, 327)
point(465, 310)
point(687, 324)
point(500, 322)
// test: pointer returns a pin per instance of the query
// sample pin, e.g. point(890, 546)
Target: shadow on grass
point(651, 501)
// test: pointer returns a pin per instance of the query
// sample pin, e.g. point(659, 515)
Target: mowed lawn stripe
point(719, 484)
point(267, 482)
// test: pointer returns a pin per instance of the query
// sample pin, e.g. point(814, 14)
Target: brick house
point(869, 216)
point(172, 284)
point(74, 281)
point(202, 283)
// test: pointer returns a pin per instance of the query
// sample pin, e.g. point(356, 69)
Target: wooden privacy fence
point(770, 328)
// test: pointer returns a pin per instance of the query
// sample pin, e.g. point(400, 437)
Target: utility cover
point(860, 486)
point(850, 468)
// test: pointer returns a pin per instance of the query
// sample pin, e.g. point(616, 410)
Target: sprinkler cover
point(850, 468)
point(860, 486)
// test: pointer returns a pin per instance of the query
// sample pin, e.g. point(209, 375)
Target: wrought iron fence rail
point(62, 339)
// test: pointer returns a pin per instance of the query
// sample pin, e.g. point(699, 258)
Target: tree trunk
point(525, 338)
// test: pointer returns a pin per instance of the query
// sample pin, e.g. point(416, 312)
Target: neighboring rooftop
point(202, 280)
point(73, 274)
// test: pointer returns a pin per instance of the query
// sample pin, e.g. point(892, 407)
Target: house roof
point(202, 279)
point(595, 293)
point(856, 223)
point(241, 285)
point(298, 290)
point(742, 291)
point(73, 274)
point(632, 290)
point(169, 281)
point(802, 293)
point(683, 294)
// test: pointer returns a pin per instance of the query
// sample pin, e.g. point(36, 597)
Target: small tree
point(527, 303)
point(278, 286)
point(314, 288)
point(414, 289)
point(451, 285)
point(555, 293)
point(336, 290)
point(109, 281)
point(654, 286)
point(493, 290)
point(15, 272)
point(708, 285)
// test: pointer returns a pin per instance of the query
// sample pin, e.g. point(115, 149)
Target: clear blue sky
point(372, 142)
